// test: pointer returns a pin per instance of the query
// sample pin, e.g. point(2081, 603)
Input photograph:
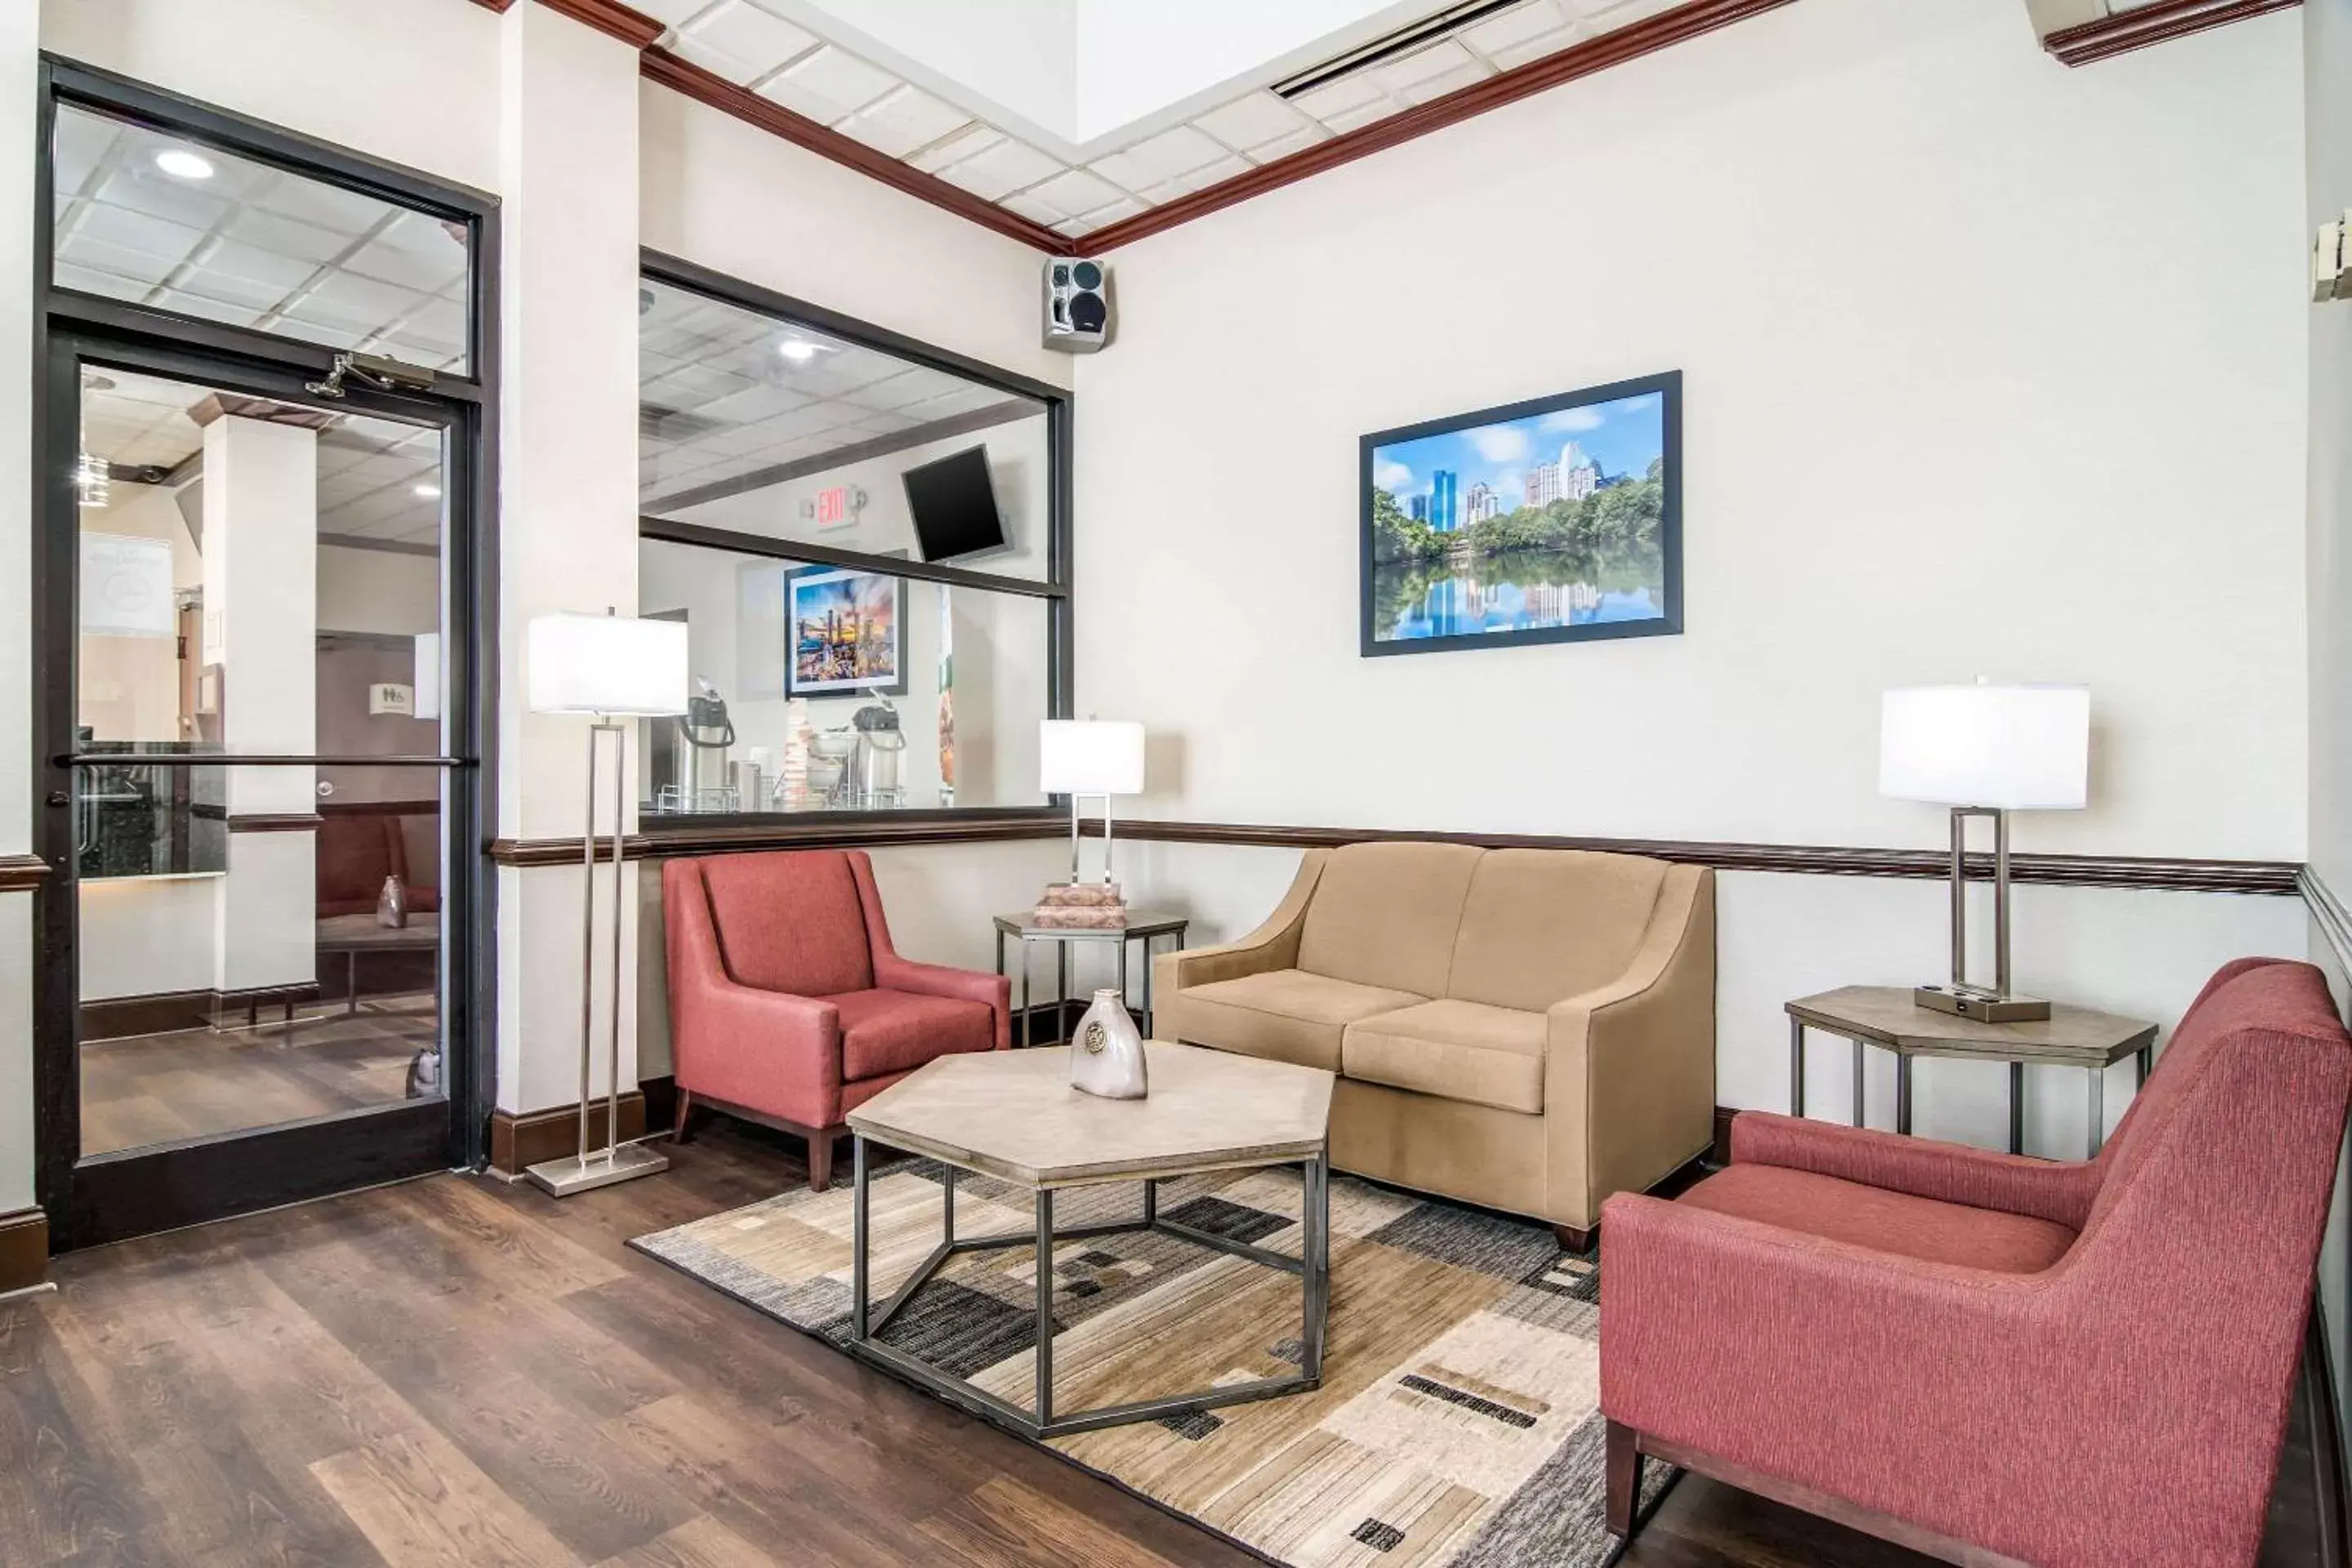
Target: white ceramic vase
point(1107, 1053)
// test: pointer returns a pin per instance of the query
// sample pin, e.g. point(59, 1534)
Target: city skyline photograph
point(1552, 521)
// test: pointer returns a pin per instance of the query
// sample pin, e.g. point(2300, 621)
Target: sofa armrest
point(1628, 1071)
point(892, 972)
point(1922, 1167)
point(1274, 945)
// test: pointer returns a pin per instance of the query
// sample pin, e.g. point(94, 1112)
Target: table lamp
point(1083, 757)
point(1985, 750)
point(607, 667)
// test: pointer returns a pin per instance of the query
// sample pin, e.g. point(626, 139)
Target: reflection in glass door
point(258, 944)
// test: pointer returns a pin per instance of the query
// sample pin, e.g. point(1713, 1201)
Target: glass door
point(258, 932)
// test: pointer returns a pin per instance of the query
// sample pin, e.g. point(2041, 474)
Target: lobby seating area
point(1077, 784)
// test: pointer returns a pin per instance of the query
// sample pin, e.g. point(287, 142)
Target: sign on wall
point(126, 586)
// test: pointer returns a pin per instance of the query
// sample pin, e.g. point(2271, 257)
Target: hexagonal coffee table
point(1013, 1115)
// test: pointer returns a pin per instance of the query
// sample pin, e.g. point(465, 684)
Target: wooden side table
point(1141, 926)
point(1885, 1016)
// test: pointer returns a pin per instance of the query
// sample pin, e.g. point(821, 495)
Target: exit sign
point(837, 506)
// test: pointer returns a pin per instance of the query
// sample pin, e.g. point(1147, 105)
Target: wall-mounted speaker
point(1078, 305)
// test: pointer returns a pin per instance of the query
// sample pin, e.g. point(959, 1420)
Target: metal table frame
point(1313, 1268)
point(2142, 1057)
point(1146, 930)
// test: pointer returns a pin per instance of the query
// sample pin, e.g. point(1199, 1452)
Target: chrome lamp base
point(584, 1173)
point(1984, 1006)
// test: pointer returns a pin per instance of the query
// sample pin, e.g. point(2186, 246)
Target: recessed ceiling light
point(800, 350)
point(182, 164)
point(428, 492)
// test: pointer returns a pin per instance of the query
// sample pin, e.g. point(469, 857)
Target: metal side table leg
point(1858, 1118)
point(1796, 1067)
point(1044, 1305)
point(858, 1236)
point(1025, 1025)
point(2098, 1109)
point(2017, 1108)
point(1903, 1093)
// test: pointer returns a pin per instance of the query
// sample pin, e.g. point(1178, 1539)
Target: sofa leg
point(677, 1131)
point(820, 1142)
point(1574, 1240)
point(1625, 1478)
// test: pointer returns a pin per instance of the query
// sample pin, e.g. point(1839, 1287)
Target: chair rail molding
point(22, 873)
point(2328, 913)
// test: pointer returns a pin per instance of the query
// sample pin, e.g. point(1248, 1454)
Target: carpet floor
point(1457, 1425)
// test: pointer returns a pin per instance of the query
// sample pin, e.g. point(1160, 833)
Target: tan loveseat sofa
point(1529, 1030)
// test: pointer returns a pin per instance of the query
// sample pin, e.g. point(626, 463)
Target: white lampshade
point(1090, 756)
point(2019, 748)
point(606, 664)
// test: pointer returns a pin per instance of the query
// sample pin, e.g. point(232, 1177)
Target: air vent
point(660, 424)
point(1403, 41)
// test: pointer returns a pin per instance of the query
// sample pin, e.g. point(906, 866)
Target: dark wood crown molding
point(1612, 48)
point(633, 28)
point(494, 5)
point(22, 873)
point(683, 76)
point(2155, 23)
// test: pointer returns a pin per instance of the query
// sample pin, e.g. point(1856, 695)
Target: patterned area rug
point(1457, 1425)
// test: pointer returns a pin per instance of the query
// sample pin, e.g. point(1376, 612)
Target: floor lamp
point(1985, 751)
point(610, 669)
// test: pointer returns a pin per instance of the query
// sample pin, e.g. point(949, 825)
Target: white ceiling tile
point(1073, 192)
point(672, 13)
point(243, 293)
point(1439, 86)
point(266, 231)
point(1176, 152)
point(1379, 109)
point(127, 230)
point(903, 120)
point(1306, 136)
point(715, 60)
point(1537, 48)
point(1030, 208)
point(82, 145)
point(1514, 26)
point(1005, 167)
point(1604, 14)
point(1438, 58)
point(1126, 170)
point(828, 86)
point(144, 190)
point(1250, 123)
point(1337, 98)
point(760, 40)
point(1216, 173)
point(346, 213)
point(236, 315)
point(229, 259)
point(956, 149)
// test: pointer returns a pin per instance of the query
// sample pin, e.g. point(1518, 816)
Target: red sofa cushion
point(790, 921)
point(1883, 1220)
point(890, 1031)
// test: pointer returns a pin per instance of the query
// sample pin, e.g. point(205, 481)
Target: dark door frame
point(110, 1196)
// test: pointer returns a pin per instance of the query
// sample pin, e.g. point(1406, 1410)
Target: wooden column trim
point(2152, 24)
point(22, 873)
point(520, 1140)
point(24, 1249)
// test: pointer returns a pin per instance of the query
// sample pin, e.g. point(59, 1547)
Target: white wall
point(753, 206)
point(378, 591)
point(2011, 383)
point(1991, 366)
point(19, 65)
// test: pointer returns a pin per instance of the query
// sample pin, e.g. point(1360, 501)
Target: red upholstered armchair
point(788, 1006)
point(2068, 1365)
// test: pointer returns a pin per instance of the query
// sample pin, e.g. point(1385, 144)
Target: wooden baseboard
point(167, 1012)
point(520, 1140)
point(24, 1249)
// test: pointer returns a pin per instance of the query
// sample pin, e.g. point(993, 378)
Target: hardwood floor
point(192, 1083)
point(459, 1372)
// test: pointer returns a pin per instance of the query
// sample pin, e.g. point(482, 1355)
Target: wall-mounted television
point(954, 506)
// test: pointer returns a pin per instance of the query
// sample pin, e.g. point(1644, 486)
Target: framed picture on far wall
point(1558, 519)
point(844, 633)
